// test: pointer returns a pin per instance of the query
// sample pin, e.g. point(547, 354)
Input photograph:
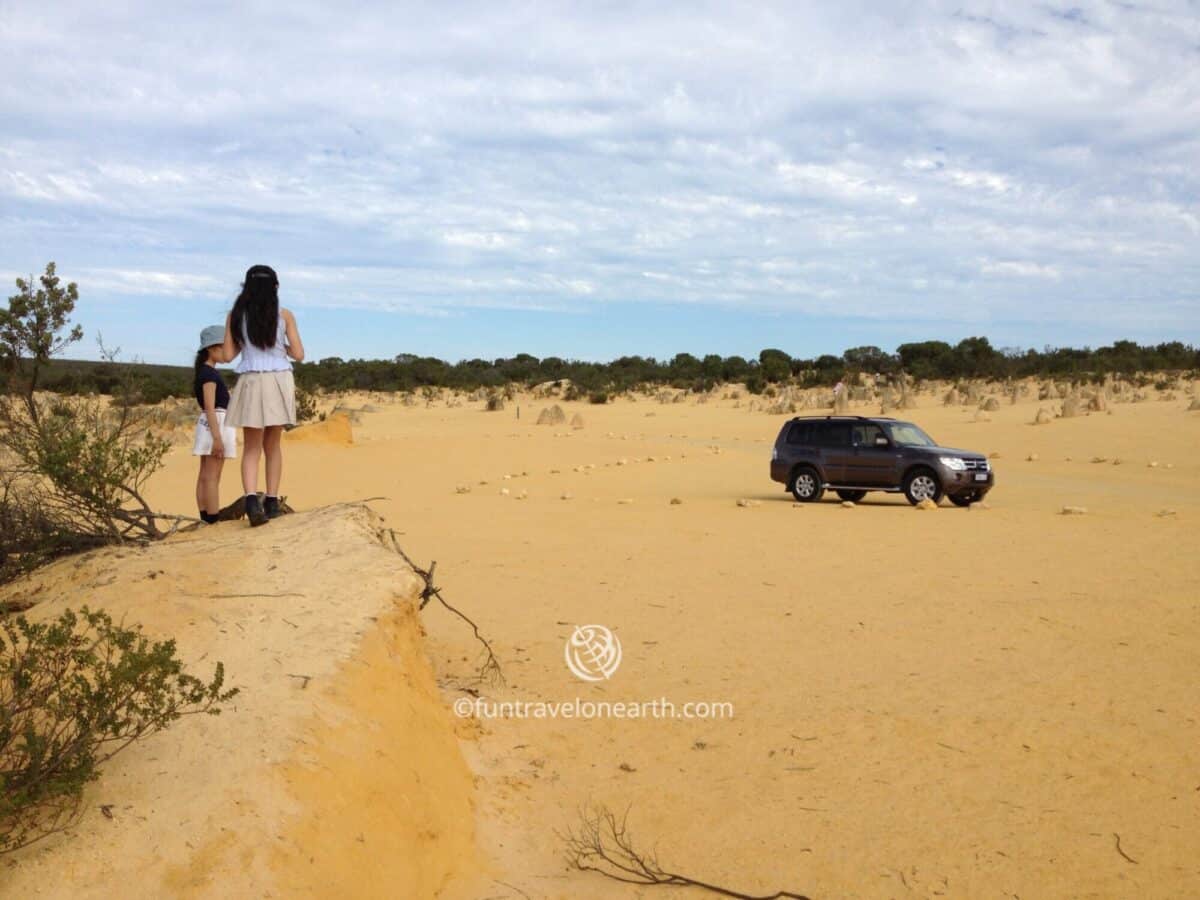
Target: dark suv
point(856, 454)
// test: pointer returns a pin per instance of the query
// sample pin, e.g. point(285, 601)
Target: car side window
point(800, 433)
point(866, 434)
point(834, 434)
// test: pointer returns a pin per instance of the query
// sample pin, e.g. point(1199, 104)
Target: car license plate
point(981, 476)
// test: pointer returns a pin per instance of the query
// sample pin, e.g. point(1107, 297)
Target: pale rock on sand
point(848, 504)
point(1043, 417)
point(1072, 407)
point(926, 504)
point(675, 501)
point(1032, 457)
point(1074, 511)
point(625, 501)
point(744, 502)
point(552, 415)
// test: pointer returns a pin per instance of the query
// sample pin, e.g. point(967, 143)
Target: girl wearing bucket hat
point(264, 398)
point(215, 441)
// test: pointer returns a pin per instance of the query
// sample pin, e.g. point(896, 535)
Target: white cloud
point(791, 156)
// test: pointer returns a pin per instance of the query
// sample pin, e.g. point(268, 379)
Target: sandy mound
point(336, 769)
point(335, 429)
point(577, 421)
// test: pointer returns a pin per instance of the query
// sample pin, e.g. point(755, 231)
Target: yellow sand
point(335, 769)
point(955, 703)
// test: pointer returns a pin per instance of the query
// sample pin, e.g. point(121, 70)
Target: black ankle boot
point(271, 507)
point(254, 511)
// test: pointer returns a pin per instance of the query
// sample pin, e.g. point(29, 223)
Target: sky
point(591, 180)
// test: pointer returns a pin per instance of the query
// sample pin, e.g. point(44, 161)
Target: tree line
point(973, 357)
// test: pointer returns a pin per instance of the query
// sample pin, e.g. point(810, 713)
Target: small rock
point(564, 496)
point(1116, 461)
point(675, 501)
point(979, 506)
point(994, 455)
point(462, 489)
point(924, 504)
point(625, 501)
point(503, 492)
point(747, 503)
point(1032, 457)
point(1165, 513)
point(848, 504)
point(1153, 464)
point(1099, 459)
point(1074, 511)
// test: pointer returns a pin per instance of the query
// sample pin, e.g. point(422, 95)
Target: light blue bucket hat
point(212, 335)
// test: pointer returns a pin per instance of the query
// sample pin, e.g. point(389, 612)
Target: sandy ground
point(948, 703)
point(335, 769)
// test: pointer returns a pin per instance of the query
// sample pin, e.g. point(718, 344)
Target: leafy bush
point(306, 404)
point(74, 692)
point(74, 468)
point(598, 397)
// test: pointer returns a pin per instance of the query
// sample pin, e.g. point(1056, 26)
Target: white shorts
point(204, 442)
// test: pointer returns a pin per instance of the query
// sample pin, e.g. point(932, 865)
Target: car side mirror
point(881, 441)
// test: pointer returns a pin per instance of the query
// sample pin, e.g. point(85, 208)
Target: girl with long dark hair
point(264, 398)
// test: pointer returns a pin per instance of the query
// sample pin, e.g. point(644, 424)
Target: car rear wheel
point(806, 485)
point(922, 484)
point(852, 496)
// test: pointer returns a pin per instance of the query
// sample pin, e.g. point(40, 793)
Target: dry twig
point(490, 670)
point(603, 844)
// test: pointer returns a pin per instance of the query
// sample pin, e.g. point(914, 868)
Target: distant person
point(215, 441)
point(264, 398)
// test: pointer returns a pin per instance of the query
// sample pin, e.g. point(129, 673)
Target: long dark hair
point(201, 360)
point(257, 307)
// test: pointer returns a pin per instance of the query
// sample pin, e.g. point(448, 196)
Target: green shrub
point(598, 397)
point(306, 405)
point(73, 693)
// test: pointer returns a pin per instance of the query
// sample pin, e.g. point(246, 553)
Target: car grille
point(977, 465)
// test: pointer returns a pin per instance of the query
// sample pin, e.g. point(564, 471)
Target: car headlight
point(952, 462)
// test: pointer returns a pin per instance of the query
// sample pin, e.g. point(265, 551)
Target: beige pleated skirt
point(261, 399)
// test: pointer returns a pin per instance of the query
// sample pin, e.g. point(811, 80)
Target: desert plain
point(999, 701)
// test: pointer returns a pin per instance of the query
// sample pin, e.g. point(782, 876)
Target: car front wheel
point(806, 485)
point(922, 484)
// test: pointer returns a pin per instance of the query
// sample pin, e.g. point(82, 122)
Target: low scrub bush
point(74, 692)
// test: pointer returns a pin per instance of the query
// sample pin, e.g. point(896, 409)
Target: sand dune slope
point(335, 770)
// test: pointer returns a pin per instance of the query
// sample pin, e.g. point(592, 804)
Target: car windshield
point(906, 434)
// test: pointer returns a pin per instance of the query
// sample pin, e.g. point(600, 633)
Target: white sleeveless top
point(273, 359)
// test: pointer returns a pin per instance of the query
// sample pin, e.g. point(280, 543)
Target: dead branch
point(603, 844)
point(490, 670)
